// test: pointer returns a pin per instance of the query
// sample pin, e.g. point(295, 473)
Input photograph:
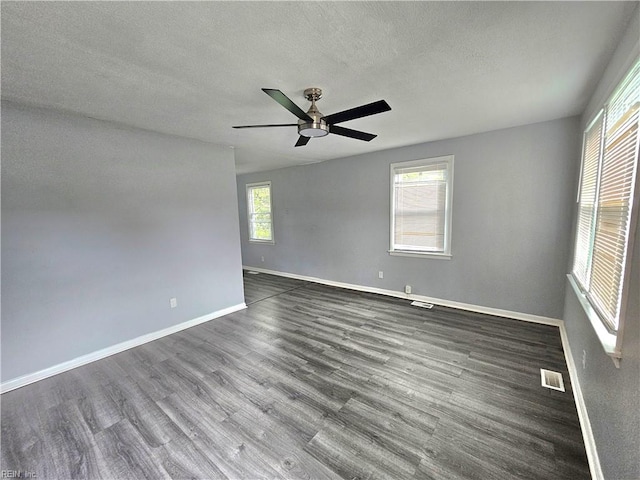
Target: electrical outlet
point(173, 302)
point(262, 258)
point(380, 274)
point(407, 289)
point(584, 359)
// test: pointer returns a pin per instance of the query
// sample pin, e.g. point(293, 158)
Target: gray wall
point(101, 226)
point(512, 206)
point(612, 396)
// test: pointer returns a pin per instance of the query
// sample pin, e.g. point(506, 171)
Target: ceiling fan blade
point(347, 132)
point(263, 126)
point(358, 112)
point(302, 141)
point(283, 100)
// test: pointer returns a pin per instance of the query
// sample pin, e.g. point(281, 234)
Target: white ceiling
point(194, 69)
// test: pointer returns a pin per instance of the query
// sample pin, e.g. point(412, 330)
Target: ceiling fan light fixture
point(313, 129)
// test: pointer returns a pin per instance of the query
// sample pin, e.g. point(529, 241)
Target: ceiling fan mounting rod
point(313, 94)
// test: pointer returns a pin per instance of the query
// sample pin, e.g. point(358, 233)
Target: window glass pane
point(259, 206)
point(625, 101)
point(261, 199)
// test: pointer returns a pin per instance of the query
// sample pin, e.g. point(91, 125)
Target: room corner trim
point(556, 322)
point(120, 347)
point(585, 424)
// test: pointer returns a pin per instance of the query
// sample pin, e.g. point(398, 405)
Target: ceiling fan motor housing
point(317, 128)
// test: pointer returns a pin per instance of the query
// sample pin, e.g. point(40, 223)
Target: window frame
point(249, 188)
point(610, 338)
point(445, 254)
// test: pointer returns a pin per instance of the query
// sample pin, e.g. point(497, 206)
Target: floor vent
point(422, 304)
point(552, 380)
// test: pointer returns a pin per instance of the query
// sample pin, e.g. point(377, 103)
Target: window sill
point(263, 242)
point(408, 253)
point(607, 339)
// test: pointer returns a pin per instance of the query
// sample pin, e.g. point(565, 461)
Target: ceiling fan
point(315, 124)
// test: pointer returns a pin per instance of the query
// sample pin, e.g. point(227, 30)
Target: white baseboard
point(527, 317)
point(585, 425)
point(106, 352)
point(583, 416)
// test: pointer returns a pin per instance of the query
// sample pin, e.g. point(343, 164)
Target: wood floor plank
point(484, 446)
point(213, 441)
point(314, 360)
point(310, 381)
point(284, 449)
point(260, 287)
point(70, 443)
point(124, 454)
point(99, 412)
point(367, 454)
point(23, 444)
point(181, 460)
point(389, 428)
point(142, 413)
point(195, 390)
point(455, 463)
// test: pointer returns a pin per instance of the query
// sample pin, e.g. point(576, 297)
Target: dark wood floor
point(310, 382)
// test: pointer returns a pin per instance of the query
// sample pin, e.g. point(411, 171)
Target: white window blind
point(421, 197)
point(606, 200)
point(259, 212)
point(587, 199)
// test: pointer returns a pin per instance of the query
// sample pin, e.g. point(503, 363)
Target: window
point(605, 204)
point(421, 193)
point(259, 212)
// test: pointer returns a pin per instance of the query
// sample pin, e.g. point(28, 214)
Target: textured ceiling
point(194, 69)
